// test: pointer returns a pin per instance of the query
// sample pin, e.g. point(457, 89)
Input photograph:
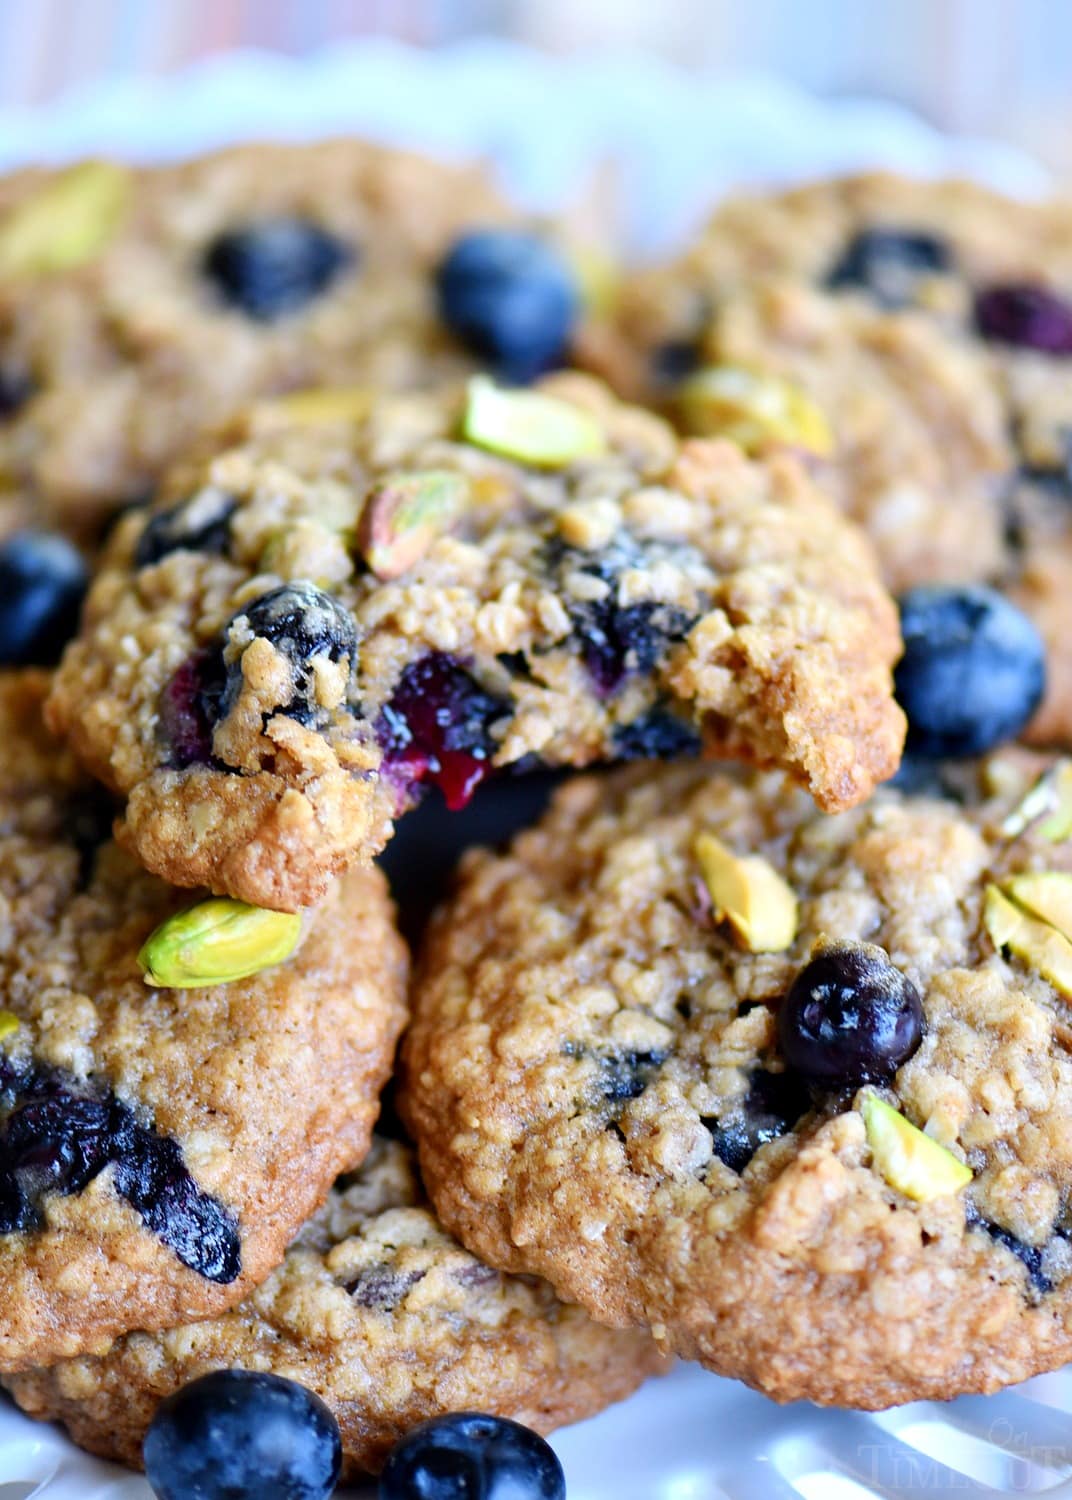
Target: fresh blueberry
point(850, 1017)
point(973, 670)
point(16, 388)
point(42, 584)
point(302, 622)
point(239, 1433)
point(1025, 315)
point(200, 524)
point(510, 298)
point(437, 728)
point(889, 263)
point(771, 1107)
point(275, 267)
point(472, 1457)
point(659, 735)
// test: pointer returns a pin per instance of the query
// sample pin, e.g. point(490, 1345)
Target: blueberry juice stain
point(58, 1134)
point(436, 730)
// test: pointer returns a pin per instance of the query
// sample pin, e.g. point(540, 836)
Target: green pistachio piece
point(1030, 937)
point(748, 893)
point(758, 412)
point(216, 941)
point(9, 1023)
point(404, 514)
point(67, 222)
point(907, 1158)
point(529, 426)
point(1048, 804)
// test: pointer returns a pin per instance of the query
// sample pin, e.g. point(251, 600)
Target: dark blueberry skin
point(16, 388)
point(199, 525)
point(627, 1074)
point(302, 622)
point(276, 267)
point(1027, 316)
point(190, 708)
point(1030, 1256)
point(772, 1106)
point(236, 1434)
point(437, 729)
point(973, 670)
point(58, 1135)
point(472, 1457)
point(850, 1017)
point(509, 298)
point(43, 581)
point(659, 735)
point(889, 263)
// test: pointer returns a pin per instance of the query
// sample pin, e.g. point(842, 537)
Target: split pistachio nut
point(1047, 806)
point(404, 514)
point(1031, 916)
point(749, 894)
point(756, 411)
point(215, 942)
point(67, 222)
point(909, 1159)
point(529, 426)
point(9, 1023)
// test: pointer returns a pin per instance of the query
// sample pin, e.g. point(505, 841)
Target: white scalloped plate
point(548, 124)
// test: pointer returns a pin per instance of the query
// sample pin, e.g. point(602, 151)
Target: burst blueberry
point(437, 728)
point(303, 623)
point(275, 267)
point(43, 581)
point(467, 1456)
point(890, 263)
point(241, 1433)
point(510, 298)
point(771, 1107)
point(1026, 316)
point(973, 670)
point(200, 524)
point(850, 1017)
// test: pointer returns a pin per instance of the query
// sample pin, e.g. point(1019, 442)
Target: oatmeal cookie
point(315, 622)
point(384, 1316)
point(793, 1091)
point(159, 1146)
point(138, 307)
point(916, 337)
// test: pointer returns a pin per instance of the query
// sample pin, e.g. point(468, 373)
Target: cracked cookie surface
point(931, 324)
point(384, 1316)
point(159, 1147)
point(201, 285)
point(852, 1189)
point(277, 659)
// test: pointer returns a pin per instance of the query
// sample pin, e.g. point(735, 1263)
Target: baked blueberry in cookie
point(380, 1314)
point(179, 1083)
point(915, 340)
point(356, 601)
point(793, 1091)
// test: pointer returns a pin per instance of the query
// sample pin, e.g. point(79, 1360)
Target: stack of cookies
point(327, 491)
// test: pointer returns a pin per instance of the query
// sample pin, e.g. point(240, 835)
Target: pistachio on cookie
point(215, 942)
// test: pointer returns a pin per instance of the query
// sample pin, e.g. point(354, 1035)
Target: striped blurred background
point(1000, 67)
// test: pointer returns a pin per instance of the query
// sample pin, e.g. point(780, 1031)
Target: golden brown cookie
point(315, 623)
point(794, 1091)
point(159, 1146)
point(381, 1313)
point(139, 307)
point(916, 337)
